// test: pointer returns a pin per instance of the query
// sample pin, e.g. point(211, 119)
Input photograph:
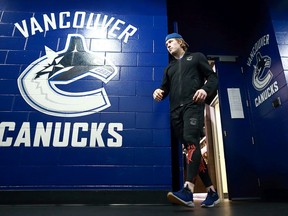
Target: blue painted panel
point(269, 122)
point(152, 120)
point(136, 73)
point(76, 97)
point(123, 59)
point(6, 29)
point(88, 177)
point(121, 89)
point(36, 44)
point(142, 104)
point(273, 148)
point(8, 86)
point(158, 73)
point(3, 55)
point(21, 105)
point(161, 137)
point(14, 16)
point(138, 138)
point(145, 88)
point(9, 71)
point(156, 60)
point(12, 43)
point(7, 103)
point(14, 116)
point(240, 153)
point(135, 46)
point(157, 156)
point(21, 57)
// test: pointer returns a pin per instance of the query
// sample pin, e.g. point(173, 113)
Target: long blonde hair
point(182, 43)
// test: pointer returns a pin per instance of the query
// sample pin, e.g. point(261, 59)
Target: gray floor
point(225, 208)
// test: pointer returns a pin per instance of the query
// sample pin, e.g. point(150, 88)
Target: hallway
point(225, 208)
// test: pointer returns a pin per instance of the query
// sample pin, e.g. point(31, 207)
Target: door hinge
point(225, 133)
point(259, 183)
point(252, 139)
point(242, 71)
point(247, 103)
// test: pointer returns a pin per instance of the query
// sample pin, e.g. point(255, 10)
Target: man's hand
point(158, 94)
point(200, 96)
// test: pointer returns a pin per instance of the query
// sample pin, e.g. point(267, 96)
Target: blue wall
point(87, 120)
point(268, 43)
point(66, 125)
point(274, 166)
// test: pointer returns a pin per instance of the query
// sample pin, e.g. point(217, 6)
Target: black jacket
point(183, 77)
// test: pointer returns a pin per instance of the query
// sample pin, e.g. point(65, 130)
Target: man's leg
point(192, 118)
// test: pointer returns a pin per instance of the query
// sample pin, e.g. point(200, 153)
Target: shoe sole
point(176, 200)
point(210, 206)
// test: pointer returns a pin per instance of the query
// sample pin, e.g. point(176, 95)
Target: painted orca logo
point(44, 83)
point(260, 80)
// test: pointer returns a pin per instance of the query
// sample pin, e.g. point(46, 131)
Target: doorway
point(213, 152)
point(212, 149)
point(216, 161)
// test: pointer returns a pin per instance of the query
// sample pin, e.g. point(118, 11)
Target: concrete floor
point(225, 208)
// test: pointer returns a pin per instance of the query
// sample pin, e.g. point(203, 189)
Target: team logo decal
point(262, 75)
point(47, 82)
point(189, 58)
point(261, 79)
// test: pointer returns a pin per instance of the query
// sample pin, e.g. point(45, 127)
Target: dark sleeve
point(165, 85)
point(211, 84)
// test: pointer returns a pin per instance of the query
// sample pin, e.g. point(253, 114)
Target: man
point(188, 80)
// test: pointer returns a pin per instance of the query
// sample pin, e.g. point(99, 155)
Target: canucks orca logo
point(260, 80)
point(47, 82)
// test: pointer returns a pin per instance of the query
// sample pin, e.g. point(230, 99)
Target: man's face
point(173, 46)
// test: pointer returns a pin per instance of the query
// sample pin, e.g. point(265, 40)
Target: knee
point(189, 139)
point(192, 138)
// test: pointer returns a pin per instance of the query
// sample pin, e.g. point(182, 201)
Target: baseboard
point(97, 197)
point(274, 194)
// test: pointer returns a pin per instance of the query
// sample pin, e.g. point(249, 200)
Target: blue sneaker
point(183, 197)
point(211, 200)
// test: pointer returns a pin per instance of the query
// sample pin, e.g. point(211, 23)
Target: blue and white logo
point(46, 83)
point(261, 79)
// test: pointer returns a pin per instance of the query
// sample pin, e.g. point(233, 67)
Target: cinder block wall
point(83, 117)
